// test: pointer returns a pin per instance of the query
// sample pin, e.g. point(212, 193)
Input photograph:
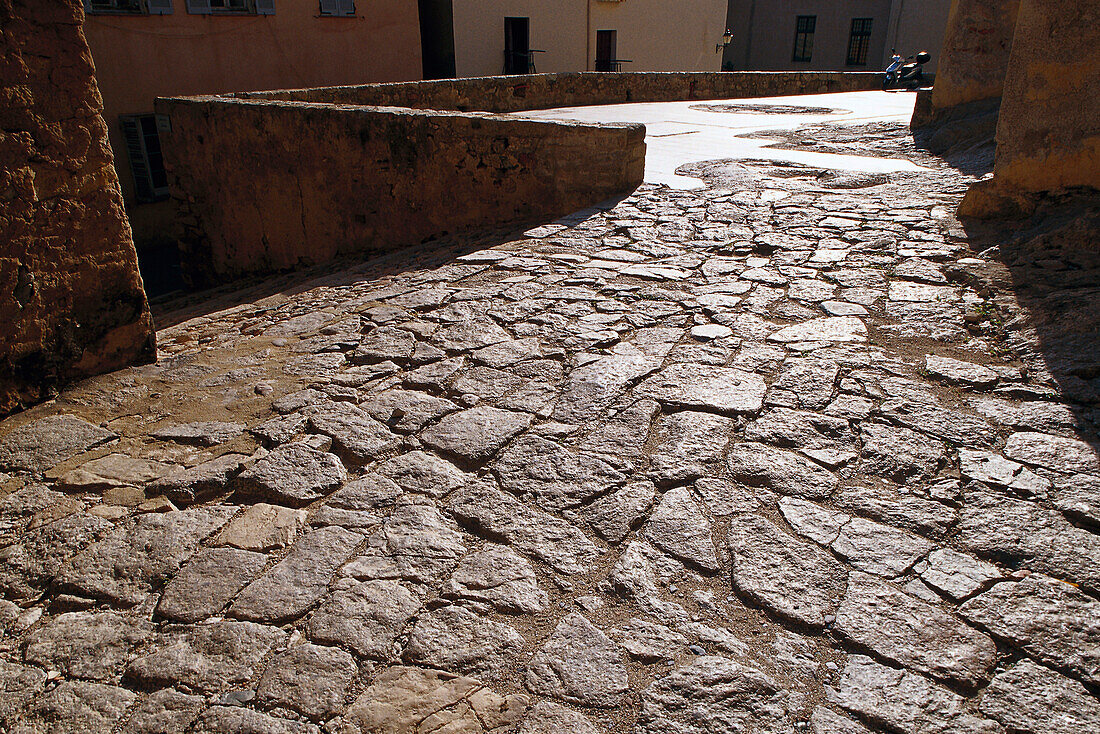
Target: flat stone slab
point(294, 474)
point(579, 663)
point(455, 639)
point(46, 442)
point(827, 329)
point(367, 617)
point(721, 389)
point(205, 433)
point(476, 434)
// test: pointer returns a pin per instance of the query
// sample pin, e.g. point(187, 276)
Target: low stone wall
point(271, 185)
point(546, 91)
point(71, 299)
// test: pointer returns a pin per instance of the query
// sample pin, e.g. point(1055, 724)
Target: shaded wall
point(71, 299)
point(267, 186)
point(975, 53)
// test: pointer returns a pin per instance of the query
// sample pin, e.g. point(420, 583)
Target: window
point(146, 160)
point(859, 42)
point(232, 7)
point(131, 7)
point(804, 37)
point(343, 8)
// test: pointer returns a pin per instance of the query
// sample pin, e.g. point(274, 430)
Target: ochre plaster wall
point(268, 186)
point(71, 299)
point(660, 36)
point(1048, 132)
point(975, 52)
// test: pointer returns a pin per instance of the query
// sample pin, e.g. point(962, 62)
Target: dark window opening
point(804, 37)
point(517, 45)
point(338, 8)
point(133, 7)
point(859, 42)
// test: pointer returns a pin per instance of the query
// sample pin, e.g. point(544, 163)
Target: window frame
point(141, 7)
point(251, 7)
point(136, 142)
point(859, 41)
point(337, 8)
point(804, 39)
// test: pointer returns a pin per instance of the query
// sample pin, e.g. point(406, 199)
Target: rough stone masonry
point(71, 300)
point(796, 452)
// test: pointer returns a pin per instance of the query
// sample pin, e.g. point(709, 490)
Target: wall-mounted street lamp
point(727, 39)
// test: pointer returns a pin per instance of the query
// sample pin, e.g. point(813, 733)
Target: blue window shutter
point(199, 7)
point(265, 7)
point(330, 7)
point(87, 5)
point(160, 7)
point(345, 7)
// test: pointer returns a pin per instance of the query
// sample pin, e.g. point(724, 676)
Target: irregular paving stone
point(878, 548)
point(593, 386)
point(1047, 618)
point(679, 527)
point(294, 474)
point(75, 707)
point(553, 476)
point(46, 442)
point(501, 517)
point(354, 432)
point(384, 343)
point(548, 717)
point(721, 389)
point(905, 701)
point(714, 694)
point(1030, 698)
point(456, 639)
point(952, 425)
point(792, 579)
point(418, 471)
point(896, 506)
point(221, 719)
point(826, 721)
point(802, 430)
point(366, 618)
point(827, 329)
point(208, 582)
point(91, 645)
point(204, 433)
point(405, 699)
point(309, 679)
point(475, 434)
point(199, 482)
point(471, 334)
point(956, 574)
point(164, 712)
point(280, 429)
point(499, 576)
point(295, 583)
point(757, 464)
point(616, 513)
point(1053, 452)
point(416, 543)
point(359, 504)
point(689, 445)
point(649, 641)
point(578, 663)
point(207, 657)
point(804, 383)
point(990, 468)
point(139, 554)
point(913, 633)
point(957, 372)
point(899, 453)
point(406, 410)
point(636, 576)
point(115, 470)
point(624, 436)
point(28, 565)
point(1078, 496)
point(1024, 534)
point(19, 685)
point(262, 527)
point(723, 498)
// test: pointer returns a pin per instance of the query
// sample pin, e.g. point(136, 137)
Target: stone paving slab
point(783, 454)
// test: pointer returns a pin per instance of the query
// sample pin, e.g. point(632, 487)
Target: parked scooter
point(902, 75)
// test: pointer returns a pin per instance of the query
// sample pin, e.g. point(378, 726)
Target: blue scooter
point(902, 75)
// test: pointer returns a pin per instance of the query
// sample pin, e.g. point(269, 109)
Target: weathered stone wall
point(546, 91)
point(975, 52)
point(268, 186)
point(71, 299)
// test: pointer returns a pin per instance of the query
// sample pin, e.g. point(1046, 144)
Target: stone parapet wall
point(975, 52)
point(270, 185)
point(546, 91)
point(71, 299)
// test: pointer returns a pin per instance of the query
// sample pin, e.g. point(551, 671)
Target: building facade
point(144, 49)
point(488, 37)
point(832, 35)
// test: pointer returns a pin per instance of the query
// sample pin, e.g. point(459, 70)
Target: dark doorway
point(437, 39)
point(605, 51)
point(517, 45)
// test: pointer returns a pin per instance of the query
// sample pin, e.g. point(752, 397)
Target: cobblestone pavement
point(786, 454)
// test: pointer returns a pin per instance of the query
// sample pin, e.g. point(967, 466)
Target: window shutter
point(139, 166)
point(159, 7)
point(345, 7)
point(265, 7)
point(87, 5)
point(330, 7)
point(199, 7)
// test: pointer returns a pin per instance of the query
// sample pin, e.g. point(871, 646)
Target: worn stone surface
point(552, 476)
point(164, 711)
point(75, 707)
point(308, 678)
point(293, 474)
point(724, 390)
point(46, 442)
point(208, 582)
point(217, 719)
point(202, 433)
point(499, 576)
point(416, 542)
point(475, 434)
point(785, 472)
point(547, 717)
point(262, 527)
point(353, 431)
point(90, 645)
point(366, 617)
point(455, 639)
point(1029, 697)
point(690, 444)
point(679, 527)
point(578, 663)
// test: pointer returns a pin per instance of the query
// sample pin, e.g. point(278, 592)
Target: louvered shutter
point(139, 164)
point(265, 7)
point(330, 7)
point(159, 7)
point(199, 7)
point(345, 7)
